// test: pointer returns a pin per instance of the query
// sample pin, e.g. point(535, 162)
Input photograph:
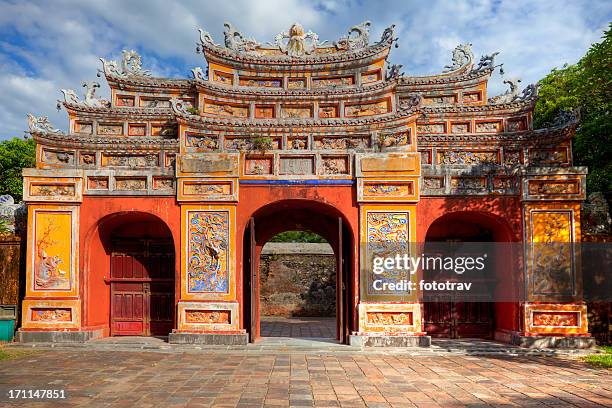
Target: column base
point(381, 340)
point(554, 342)
point(23, 336)
point(240, 339)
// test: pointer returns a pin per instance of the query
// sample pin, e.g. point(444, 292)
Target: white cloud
point(51, 45)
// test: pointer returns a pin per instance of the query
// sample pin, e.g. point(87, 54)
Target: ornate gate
point(142, 287)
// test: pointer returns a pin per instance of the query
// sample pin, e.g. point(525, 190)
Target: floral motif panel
point(208, 252)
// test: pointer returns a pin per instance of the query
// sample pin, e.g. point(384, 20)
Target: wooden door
point(459, 319)
point(142, 287)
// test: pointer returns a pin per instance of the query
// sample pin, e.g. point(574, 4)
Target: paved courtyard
point(255, 378)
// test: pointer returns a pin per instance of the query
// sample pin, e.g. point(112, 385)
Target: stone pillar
point(554, 313)
point(51, 310)
point(387, 192)
point(208, 310)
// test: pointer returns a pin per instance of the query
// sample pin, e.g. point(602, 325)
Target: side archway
point(130, 275)
point(450, 319)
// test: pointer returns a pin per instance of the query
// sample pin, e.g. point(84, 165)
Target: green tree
point(298, 236)
point(586, 85)
point(15, 154)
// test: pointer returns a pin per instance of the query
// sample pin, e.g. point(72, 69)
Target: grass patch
point(10, 353)
point(603, 360)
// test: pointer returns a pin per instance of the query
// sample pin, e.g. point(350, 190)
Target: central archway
point(297, 215)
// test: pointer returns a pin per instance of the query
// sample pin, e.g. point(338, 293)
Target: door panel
point(459, 319)
point(142, 288)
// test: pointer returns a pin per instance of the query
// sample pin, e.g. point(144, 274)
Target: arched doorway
point(447, 317)
point(138, 265)
point(297, 282)
point(297, 215)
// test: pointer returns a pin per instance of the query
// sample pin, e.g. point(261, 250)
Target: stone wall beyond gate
point(297, 279)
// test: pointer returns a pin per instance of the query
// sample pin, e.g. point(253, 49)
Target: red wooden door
point(142, 287)
point(459, 319)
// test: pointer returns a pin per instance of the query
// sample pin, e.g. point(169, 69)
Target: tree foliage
point(586, 85)
point(298, 236)
point(15, 154)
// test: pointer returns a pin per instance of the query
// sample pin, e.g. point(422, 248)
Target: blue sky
point(49, 45)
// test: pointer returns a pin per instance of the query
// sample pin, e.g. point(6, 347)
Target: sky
point(49, 45)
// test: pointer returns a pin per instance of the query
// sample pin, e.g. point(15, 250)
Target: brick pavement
point(96, 378)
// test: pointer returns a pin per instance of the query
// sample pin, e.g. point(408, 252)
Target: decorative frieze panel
point(87, 159)
point(110, 129)
point(51, 314)
point(261, 82)
point(137, 129)
point(513, 157)
point(390, 318)
point(131, 161)
point(433, 184)
point(237, 111)
point(387, 164)
point(328, 111)
point(332, 82)
point(191, 189)
point(297, 143)
point(202, 142)
point(164, 129)
point(296, 83)
point(264, 112)
point(218, 165)
point(296, 165)
point(460, 127)
point(366, 109)
point(370, 77)
point(98, 183)
point(516, 124)
point(488, 127)
point(57, 157)
point(154, 102)
point(163, 184)
point(467, 158)
point(131, 183)
point(208, 316)
point(125, 100)
point(440, 99)
point(468, 185)
point(296, 112)
point(335, 165)
point(84, 128)
point(554, 318)
point(472, 97)
point(222, 77)
point(208, 257)
point(394, 139)
point(387, 190)
point(426, 128)
point(52, 189)
point(549, 157)
point(504, 185)
point(554, 187)
point(259, 165)
point(52, 255)
point(341, 142)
